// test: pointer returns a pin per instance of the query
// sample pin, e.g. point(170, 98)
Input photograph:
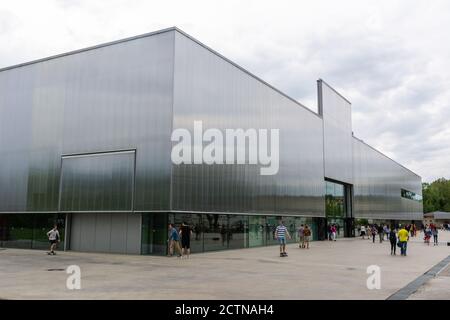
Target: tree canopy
point(436, 195)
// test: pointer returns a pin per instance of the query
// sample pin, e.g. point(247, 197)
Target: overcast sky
point(391, 59)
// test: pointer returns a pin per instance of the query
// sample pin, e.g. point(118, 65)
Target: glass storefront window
point(237, 232)
point(195, 222)
point(339, 223)
point(291, 225)
point(29, 231)
point(154, 233)
point(256, 228)
point(271, 225)
point(215, 232)
point(334, 199)
point(210, 231)
point(42, 224)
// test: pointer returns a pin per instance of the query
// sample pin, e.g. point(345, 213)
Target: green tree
point(436, 195)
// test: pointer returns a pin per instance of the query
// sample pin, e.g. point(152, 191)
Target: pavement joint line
point(414, 285)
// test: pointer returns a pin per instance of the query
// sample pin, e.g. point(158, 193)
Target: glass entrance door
point(337, 207)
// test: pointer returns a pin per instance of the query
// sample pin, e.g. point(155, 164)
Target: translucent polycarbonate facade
point(114, 97)
point(378, 182)
point(99, 181)
point(337, 134)
point(210, 89)
point(131, 94)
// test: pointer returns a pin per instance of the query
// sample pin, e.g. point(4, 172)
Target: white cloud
point(390, 58)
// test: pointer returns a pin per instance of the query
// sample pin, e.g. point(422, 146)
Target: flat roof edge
point(106, 44)
point(334, 90)
point(365, 143)
point(174, 28)
point(244, 70)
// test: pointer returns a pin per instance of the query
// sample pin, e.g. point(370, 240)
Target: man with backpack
point(393, 240)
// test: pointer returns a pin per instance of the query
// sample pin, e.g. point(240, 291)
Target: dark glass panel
point(16, 230)
point(42, 224)
point(237, 232)
point(256, 230)
point(30, 230)
point(154, 233)
point(271, 225)
point(215, 232)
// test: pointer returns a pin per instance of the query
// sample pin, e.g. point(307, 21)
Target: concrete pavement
point(329, 270)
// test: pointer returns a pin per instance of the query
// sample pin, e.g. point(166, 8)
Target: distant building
point(436, 217)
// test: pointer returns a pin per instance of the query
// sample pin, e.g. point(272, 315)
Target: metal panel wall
point(209, 88)
point(378, 181)
point(99, 181)
point(113, 97)
point(337, 133)
point(106, 232)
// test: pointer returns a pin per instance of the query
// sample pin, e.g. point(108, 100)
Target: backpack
point(392, 236)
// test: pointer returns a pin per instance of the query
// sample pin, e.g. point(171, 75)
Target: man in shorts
point(186, 233)
point(174, 238)
point(53, 238)
point(280, 233)
point(306, 236)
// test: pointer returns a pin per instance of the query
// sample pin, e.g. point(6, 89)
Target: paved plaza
point(329, 270)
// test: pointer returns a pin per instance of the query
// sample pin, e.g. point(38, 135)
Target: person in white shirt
point(53, 238)
point(363, 232)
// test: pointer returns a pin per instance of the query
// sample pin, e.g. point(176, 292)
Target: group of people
point(333, 230)
point(371, 231)
point(179, 238)
point(397, 237)
point(304, 236)
point(183, 235)
point(383, 230)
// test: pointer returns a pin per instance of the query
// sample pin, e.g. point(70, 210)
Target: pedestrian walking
point(393, 241)
point(369, 232)
point(53, 238)
point(363, 232)
point(333, 232)
point(380, 232)
point(427, 235)
point(435, 232)
point(307, 235)
point(301, 236)
point(403, 237)
point(186, 234)
point(280, 233)
point(174, 237)
point(386, 231)
point(374, 233)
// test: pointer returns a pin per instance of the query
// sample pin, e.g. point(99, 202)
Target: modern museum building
point(87, 142)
